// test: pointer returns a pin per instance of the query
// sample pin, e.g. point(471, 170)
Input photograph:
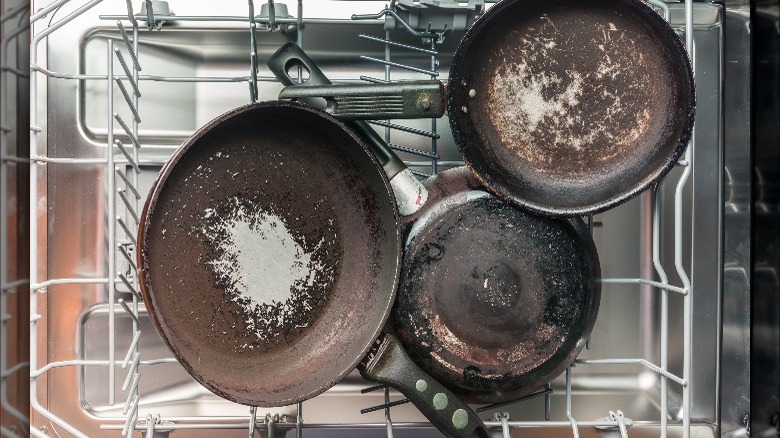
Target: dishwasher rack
point(122, 171)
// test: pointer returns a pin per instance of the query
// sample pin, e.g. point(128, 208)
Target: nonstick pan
point(565, 107)
point(493, 302)
point(269, 259)
point(570, 107)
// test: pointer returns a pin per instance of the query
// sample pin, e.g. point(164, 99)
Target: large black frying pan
point(568, 107)
point(493, 302)
point(269, 259)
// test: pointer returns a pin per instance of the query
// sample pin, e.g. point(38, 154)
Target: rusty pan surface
point(269, 253)
point(493, 302)
point(570, 107)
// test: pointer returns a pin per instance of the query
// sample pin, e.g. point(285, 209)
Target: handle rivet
point(460, 419)
point(472, 93)
point(464, 109)
point(440, 401)
point(421, 385)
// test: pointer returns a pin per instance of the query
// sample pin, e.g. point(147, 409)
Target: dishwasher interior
point(116, 87)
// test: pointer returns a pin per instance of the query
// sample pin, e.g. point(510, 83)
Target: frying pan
point(567, 107)
point(570, 107)
point(269, 259)
point(493, 302)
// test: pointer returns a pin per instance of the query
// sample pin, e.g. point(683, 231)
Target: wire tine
point(135, 420)
point(413, 151)
point(405, 128)
point(129, 45)
point(133, 416)
point(130, 15)
point(374, 80)
point(372, 389)
point(131, 371)
point(127, 72)
point(397, 44)
point(132, 265)
point(403, 66)
point(133, 345)
point(521, 399)
point(384, 406)
point(131, 394)
point(130, 160)
point(418, 173)
point(128, 100)
point(132, 289)
point(128, 184)
point(125, 228)
point(127, 130)
point(128, 205)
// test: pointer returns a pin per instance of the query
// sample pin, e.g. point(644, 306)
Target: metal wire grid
point(14, 27)
point(121, 240)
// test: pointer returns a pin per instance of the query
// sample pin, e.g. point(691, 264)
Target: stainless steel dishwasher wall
point(98, 371)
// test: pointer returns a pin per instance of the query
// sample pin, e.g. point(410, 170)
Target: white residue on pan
point(529, 103)
point(258, 256)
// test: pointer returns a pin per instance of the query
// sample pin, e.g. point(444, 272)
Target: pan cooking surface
point(576, 104)
point(493, 301)
point(245, 249)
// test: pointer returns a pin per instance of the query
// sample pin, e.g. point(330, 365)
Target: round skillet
point(570, 107)
point(270, 242)
point(493, 302)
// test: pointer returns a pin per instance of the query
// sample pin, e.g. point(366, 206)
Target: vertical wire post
point(253, 51)
point(388, 420)
point(111, 208)
point(434, 142)
point(678, 253)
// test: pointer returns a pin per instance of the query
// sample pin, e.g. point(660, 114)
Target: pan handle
point(410, 194)
point(388, 363)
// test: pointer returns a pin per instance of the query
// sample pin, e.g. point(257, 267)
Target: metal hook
point(574, 429)
point(620, 421)
point(503, 417)
point(388, 11)
point(271, 15)
point(252, 421)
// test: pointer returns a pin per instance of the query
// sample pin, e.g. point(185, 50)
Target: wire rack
point(123, 199)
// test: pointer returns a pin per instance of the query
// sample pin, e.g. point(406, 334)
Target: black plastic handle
point(388, 363)
point(410, 194)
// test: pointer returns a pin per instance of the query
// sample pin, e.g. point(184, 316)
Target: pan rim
point(143, 239)
point(495, 186)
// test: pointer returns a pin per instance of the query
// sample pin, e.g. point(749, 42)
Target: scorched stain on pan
point(263, 267)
